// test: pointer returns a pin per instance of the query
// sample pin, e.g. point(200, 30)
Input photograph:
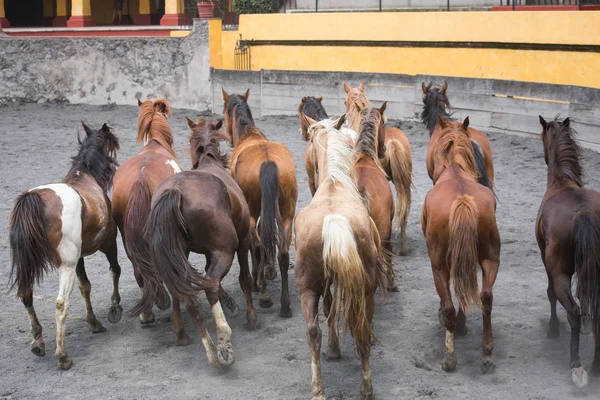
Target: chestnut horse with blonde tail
point(396, 158)
point(310, 111)
point(435, 103)
point(56, 226)
point(135, 181)
point(265, 172)
point(568, 234)
point(459, 223)
point(337, 257)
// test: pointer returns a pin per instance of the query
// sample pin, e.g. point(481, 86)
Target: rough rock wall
point(106, 70)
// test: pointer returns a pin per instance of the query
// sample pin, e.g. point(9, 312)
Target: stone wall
point(101, 70)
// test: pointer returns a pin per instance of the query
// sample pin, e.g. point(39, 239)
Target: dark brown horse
point(133, 185)
point(459, 223)
point(337, 257)
point(56, 226)
point(202, 211)
point(396, 158)
point(435, 102)
point(372, 181)
point(265, 172)
point(568, 234)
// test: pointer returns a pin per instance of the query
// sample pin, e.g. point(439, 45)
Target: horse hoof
point(488, 364)
point(39, 349)
point(580, 377)
point(271, 272)
point(285, 312)
point(65, 363)
point(460, 330)
point(586, 325)
point(96, 327)
point(164, 302)
point(182, 339)
point(230, 307)
point(393, 288)
point(449, 363)
point(553, 332)
point(265, 303)
point(114, 313)
point(252, 324)
point(318, 398)
point(147, 318)
point(334, 354)
point(225, 354)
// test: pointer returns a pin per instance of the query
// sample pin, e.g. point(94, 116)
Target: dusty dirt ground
point(128, 361)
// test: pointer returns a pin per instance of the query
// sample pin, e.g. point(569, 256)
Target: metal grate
point(241, 60)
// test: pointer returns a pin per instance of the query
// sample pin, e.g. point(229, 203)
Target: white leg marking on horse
point(449, 342)
point(174, 165)
point(223, 329)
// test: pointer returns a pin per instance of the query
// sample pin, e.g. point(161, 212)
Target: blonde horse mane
point(356, 101)
point(368, 136)
point(153, 125)
point(455, 147)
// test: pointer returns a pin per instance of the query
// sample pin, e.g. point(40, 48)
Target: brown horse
point(133, 185)
point(201, 211)
point(459, 224)
point(265, 172)
point(396, 158)
point(435, 102)
point(337, 245)
point(56, 226)
point(310, 111)
point(568, 234)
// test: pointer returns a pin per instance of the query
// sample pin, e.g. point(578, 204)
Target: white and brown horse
point(56, 226)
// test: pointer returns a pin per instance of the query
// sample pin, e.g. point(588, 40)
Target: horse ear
point(319, 99)
point(305, 122)
point(361, 86)
point(139, 102)
point(87, 129)
point(303, 100)
point(566, 122)
point(424, 88)
point(543, 122)
point(190, 123)
point(382, 108)
point(219, 124)
point(105, 128)
point(465, 123)
point(247, 94)
point(346, 88)
point(308, 119)
point(444, 87)
point(441, 121)
point(225, 95)
point(340, 122)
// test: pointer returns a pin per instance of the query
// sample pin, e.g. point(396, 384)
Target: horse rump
point(462, 255)
point(586, 245)
point(32, 253)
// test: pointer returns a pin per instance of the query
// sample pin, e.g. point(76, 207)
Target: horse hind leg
point(596, 364)
point(110, 251)
point(333, 349)
point(66, 281)
point(310, 311)
point(246, 284)
point(553, 331)
point(181, 338)
point(38, 346)
point(366, 387)
point(489, 273)
point(193, 308)
point(284, 265)
point(447, 314)
point(85, 287)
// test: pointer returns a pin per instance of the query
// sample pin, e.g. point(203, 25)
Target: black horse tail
point(271, 225)
point(483, 177)
point(138, 248)
point(586, 245)
point(32, 253)
point(168, 236)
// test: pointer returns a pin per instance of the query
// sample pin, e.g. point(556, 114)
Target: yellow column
point(3, 21)
point(174, 13)
point(145, 15)
point(81, 14)
point(61, 13)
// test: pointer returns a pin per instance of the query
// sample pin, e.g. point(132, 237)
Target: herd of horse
point(245, 202)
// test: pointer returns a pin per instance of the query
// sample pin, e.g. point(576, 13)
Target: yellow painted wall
point(559, 27)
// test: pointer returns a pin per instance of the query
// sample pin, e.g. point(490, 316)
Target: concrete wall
point(392, 4)
point(108, 69)
point(510, 106)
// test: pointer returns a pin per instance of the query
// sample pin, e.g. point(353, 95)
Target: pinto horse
point(337, 256)
point(202, 211)
point(56, 226)
point(133, 185)
point(311, 111)
point(435, 102)
point(568, 234)
point(396, 158)
point(459, 224)
point(265, 172)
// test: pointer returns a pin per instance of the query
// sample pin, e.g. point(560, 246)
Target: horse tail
point(271, 224)
point(462, 251)
point(343, 266)
point(138, 248)
point(586, 245)
point(32, 253)
point(401, 167)
point(168, 234)
point(482, 173)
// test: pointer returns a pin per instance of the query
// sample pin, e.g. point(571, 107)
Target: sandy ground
point(128, 361)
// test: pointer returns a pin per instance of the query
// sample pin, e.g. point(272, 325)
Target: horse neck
point(354, 119)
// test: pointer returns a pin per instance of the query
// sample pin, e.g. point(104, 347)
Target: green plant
point(256, 6)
